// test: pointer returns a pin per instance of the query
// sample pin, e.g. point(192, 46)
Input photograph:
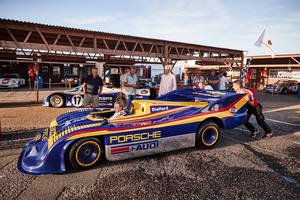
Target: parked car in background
point(70, 79)
point(282, 87)
point(74, 97)
point(11, 81)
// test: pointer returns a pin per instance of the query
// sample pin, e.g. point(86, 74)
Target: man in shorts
point(92, 88)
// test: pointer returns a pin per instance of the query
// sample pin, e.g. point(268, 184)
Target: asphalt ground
point(238, 167)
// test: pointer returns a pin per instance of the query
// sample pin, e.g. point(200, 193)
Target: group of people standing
point(93, 86)
point(215, 81)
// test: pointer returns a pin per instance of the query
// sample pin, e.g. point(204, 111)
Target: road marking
point(285, 108)
point(241, 129)
point(296, 142)
point(282, 122)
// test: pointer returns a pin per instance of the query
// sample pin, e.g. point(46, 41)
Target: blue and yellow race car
point(181, 119)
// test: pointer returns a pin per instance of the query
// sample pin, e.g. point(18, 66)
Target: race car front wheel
point(284, 91)
point(207, 135)
point(57, 101)
point(85, 153)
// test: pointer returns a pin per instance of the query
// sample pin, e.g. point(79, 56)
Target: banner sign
point(284, 74)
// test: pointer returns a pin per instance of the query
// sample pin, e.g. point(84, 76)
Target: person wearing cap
point(167, 81)
point(213, 80)
point(255, 108)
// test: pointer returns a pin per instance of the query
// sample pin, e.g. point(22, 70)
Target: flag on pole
point(245, 69)
point(265, 42)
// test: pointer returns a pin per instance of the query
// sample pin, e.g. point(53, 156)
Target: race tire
point(207, 135)
point(284, 91)
point(56, 101)
point(85, 153)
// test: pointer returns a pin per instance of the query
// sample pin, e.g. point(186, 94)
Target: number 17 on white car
point(77, 100)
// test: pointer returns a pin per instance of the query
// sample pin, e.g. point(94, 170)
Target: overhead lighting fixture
point(24, 58)
point(91, 61)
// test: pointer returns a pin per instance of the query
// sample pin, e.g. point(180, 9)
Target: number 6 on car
point(180, 119)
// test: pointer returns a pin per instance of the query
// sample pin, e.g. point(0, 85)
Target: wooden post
point(49, 83)
point(166, 55)
point(29, 81)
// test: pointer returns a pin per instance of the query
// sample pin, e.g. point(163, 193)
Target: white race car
point(11, 81)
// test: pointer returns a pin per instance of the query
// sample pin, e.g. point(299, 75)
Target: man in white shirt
point(222, 81)
point(167, 81)
point(130, 81)
point(122, 79)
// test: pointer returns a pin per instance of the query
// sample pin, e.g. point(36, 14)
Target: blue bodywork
point(172, 115)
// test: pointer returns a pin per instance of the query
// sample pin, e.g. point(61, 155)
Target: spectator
point(197, 80)
point(202, 85)
point(167, 81)
point(122, 79)
point(213, 80)
point(92, 88)
point(129, 82)
point(255, 108)
point(222, 81)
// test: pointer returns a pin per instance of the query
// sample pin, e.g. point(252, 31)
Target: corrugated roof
point(3, 20)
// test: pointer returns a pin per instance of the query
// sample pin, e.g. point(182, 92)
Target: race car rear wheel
point(207, 135)
point(85, 153)
point(284, 91)
point(57, 101)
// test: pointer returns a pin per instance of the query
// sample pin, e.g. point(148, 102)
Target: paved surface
point(237, 168)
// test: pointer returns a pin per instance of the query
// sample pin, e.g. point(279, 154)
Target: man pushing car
point(255, 108)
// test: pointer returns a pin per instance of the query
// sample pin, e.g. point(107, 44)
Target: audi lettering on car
point(180, 119)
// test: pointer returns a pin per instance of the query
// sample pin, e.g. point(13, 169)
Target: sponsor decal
point(117, 139)
point(159, 108)
point(143, 146)
point(6, 81)
point(144, 91)
point(101, 98)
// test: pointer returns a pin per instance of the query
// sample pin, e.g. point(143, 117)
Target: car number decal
point(77, 100)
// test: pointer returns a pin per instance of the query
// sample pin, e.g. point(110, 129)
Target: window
point(56, 71)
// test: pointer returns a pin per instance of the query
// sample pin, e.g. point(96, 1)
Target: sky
point(232, 24)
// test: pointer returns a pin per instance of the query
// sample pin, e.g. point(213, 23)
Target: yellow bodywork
point(142, 113)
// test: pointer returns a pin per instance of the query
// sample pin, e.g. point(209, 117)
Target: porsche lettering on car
point(183, 118)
